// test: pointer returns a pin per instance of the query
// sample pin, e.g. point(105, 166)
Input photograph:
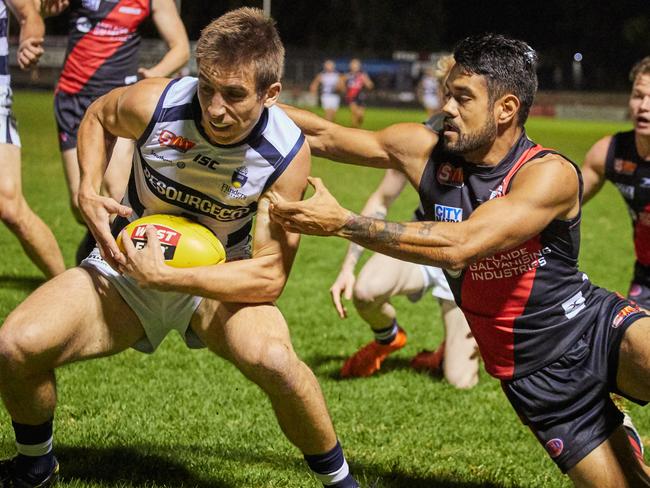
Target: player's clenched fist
point(29, 52)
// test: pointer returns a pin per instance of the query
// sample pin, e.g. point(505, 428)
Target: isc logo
point(180, 143)
point(206, 161)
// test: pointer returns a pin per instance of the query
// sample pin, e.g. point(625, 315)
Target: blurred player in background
point(624, 159)
point(502, 217)
point(102, 54)
point(383, 277)
point(428, 92)
point(431, 87)
point(34, 235)
point(355, 83)
point(213, 148)
point(328, 81)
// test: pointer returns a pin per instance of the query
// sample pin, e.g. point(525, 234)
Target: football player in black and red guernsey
point(624, 159)
point(507, 234)
point(102, 54)
point(355, 83)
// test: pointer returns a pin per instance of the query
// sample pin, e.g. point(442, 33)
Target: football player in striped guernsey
point(213, 148)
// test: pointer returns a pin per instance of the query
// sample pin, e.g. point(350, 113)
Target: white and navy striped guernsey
point(329, 81)
point(5, 79)
point(177, 170)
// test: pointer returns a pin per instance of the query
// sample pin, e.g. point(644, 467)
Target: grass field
point(183, 418)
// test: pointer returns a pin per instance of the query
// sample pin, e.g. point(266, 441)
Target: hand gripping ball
point(185, 243)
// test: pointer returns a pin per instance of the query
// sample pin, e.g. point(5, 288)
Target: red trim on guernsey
point(642, 236)
point(92, 50)
point(495, 291)
point(523, 159)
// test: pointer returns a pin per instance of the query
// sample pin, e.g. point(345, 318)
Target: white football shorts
point(159, 311)
point(435, 279)
point(330, 101)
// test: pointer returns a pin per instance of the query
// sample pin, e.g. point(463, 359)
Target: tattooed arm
point(542, 191)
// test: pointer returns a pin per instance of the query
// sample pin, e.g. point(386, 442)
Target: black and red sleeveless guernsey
point(631, 175)
point(526, 306)
point(103, 44)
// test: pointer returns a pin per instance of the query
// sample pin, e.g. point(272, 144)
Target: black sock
point(35, 459)
point(387, 335)
point(331, 468)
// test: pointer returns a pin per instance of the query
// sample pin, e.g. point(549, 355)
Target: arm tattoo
point(426, 228)
point(356, 250)
point(366, 229)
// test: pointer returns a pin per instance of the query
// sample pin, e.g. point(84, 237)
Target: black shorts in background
point(68, 111)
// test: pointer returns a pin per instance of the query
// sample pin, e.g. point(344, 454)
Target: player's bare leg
point(72, 178)
point(75, 316)
point(255, 338)
point(34, 235)
point(381, 278)
point(461, 360)
point(358, 113)
point(613, 464)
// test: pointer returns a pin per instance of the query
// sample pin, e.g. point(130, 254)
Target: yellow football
point(185, 243)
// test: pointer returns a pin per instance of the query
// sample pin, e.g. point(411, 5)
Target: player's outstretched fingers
point(335, 293)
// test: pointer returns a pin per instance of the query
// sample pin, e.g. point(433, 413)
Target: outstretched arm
point(404, 147)
point(376, 207)
point(542, 191)
point(593, 168)
point(171, 29)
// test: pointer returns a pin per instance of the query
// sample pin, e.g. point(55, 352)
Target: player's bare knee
point(13, 210)
point(274, 367)
point(17, 351)
point(463, 380)
point(365, 298)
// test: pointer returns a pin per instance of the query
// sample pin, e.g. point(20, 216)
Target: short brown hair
point(244, 36)
point(640, 68)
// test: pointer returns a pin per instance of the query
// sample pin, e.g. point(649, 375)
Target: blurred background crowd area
point(585, 48)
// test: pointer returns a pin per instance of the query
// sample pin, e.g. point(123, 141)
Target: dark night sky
point(610, 35)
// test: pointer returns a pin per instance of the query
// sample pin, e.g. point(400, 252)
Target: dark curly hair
point(508, 65)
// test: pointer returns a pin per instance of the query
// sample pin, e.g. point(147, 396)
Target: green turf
point(183, 418)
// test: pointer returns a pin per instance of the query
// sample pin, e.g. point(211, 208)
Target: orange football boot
point(429, 361)
point(367, 360)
